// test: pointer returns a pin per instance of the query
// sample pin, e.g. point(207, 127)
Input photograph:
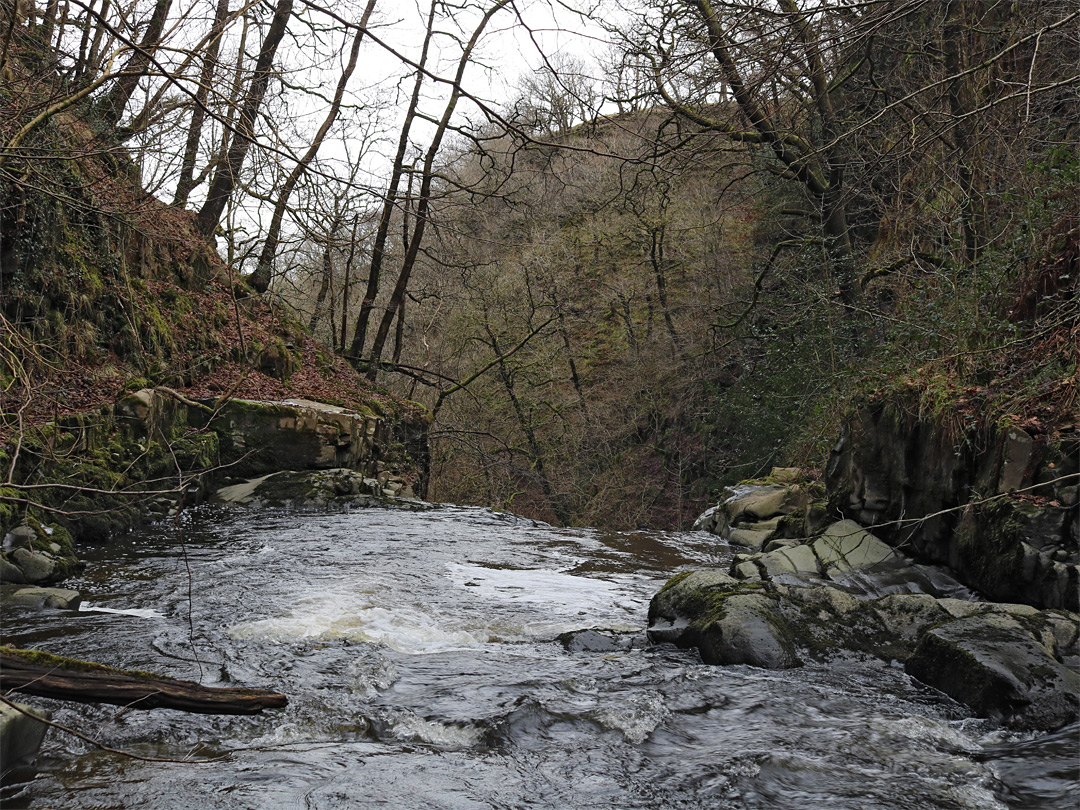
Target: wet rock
point(753, 535)
point(10, 572)
point(798, 560)
point(56, 598)
point(845, 546)
point(1020, 552)
point(759, 503)
point(36, 566)
point(921, 482)
point(780, 542)
point(1008, 662)
point(729, 621)
point(21, 733)
point(993, 663)
point(848, 555)
point(754, 513)
point(315, 489)
point(746, 631)
point(706, 521)
point(907, 615)
point(1017, 448)
point(594, 641)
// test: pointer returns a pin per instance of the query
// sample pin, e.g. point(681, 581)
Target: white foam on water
point(531, 603)
point(404, 629)
point(944, 733)
point(975, 797)
point(142, 613)
point(368, 678)
point(407, 725)
point(636, 716)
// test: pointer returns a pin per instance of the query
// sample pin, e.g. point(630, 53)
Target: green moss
point(706, 604)
point(44, 659)
point(675, 580)
point(196, 451)
point(240, 407)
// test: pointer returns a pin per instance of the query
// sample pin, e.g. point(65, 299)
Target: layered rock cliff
point(998, 506)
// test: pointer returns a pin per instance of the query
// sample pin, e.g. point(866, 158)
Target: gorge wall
point(998, 506)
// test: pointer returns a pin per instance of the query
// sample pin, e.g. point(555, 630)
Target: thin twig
point(103, 746)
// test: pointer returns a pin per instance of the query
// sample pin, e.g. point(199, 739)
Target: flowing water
point(420, 655)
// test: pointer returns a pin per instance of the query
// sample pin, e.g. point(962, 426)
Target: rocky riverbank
point(808, 587)
point(156, 451)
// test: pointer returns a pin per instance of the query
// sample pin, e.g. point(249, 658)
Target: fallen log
point(38, 673)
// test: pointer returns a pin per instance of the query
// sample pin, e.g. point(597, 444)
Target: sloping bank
point(955, 556)
point(88, 477)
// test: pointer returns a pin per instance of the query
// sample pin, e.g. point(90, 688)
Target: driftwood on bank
point(45, 675)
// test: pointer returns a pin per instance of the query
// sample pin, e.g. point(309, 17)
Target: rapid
point(425, 663)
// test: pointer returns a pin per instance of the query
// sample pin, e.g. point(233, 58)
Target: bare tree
point(260, 279)
point(423, 204)
point(228, 172)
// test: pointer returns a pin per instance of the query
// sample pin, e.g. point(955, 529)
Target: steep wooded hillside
point(105, 290)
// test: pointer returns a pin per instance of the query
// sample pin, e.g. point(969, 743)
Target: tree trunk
point(324, 287)
point(346, 285)
point(51, 676)
point(656, 258)
point(424, 203)
point(198, 114)
point(356, 349)
point(225, 177)
point(530, 435)
point(260, 279)
point(116, 101)
point(959, 107)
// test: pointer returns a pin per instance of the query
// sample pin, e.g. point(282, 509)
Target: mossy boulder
point(1011, 663)
point(752, 513)
point(729, 621)
point(37, 554)
point(995, 664)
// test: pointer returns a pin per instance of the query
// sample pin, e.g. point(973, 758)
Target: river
point(420, 654)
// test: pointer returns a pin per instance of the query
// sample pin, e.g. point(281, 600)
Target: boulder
point(845, 546)
point(994, 664)
point(759, 503)
point(56, 598)
point(797, 560)
point(21, 733)
point(745, 630)
point(847, 555)
point(753, 513)
point(595, 641)
point(706, 521)
point(730, 622)
point(753, 535)
point(36, 566)
point(9, 571)
point(316, 488)
point(1012, 663)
